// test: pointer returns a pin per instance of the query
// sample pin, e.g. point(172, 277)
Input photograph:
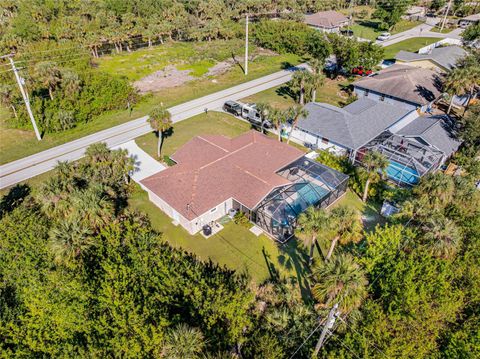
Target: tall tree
point(301, 80)
point(347, 226)
point(390, 12)
point(295, 113)
point(309, 225)
point(339, 281)
point(49, 75)
point(317, 79)
point(374, 164)
point(160, 120)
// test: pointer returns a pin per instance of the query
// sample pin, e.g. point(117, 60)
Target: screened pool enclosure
point(409, 159)
point(313, 184)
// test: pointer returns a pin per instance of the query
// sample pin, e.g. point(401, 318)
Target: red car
point(361, 71)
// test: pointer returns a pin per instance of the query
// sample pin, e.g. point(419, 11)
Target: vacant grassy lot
point(412, 45)
point(15, 144)
point(282, 98)
point(445, 30)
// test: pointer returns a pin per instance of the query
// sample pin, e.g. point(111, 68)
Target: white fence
point(446, 41)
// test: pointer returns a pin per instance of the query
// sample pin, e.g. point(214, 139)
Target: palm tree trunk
point(160, 139)
point(301, 95)
point(279, 130)
point(314, 95)
point(312, 247)
point(365, 193)
point(50, 92)
point(294, 126)
point(14, 110)
point(332, 247)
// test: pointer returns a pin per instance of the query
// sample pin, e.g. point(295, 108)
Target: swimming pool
point(401, 173)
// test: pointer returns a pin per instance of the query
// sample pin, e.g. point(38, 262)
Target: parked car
point(384, 36)
point(361, 71)
point(233, 107)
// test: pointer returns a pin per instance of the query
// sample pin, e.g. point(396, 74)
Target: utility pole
point(446, 13)
point(326, 328)
point(24, 95)
point(246, 45)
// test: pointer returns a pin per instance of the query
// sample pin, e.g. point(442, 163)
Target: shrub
point(241, 219)
point(282, 36)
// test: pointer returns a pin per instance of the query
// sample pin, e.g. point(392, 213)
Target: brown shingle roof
point(416, 85)
point(326, 19)
point(211, 169)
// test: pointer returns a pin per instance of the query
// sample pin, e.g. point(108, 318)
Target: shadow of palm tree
point(14, 198)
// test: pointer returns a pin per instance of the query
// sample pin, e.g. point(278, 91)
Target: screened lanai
point(313, 184)
point(409, 159)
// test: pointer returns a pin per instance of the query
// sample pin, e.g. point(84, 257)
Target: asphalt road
point(31, 166)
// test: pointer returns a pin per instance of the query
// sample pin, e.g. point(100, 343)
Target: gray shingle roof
point(326, 19)
point(351, 126)
point(415, 85)
point(446, 56)
point(437, 131)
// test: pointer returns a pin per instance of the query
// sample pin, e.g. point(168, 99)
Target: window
point(325, 140)
point(213, 210)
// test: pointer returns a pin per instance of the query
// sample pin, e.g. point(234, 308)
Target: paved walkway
point(31, 166)
point(145, 165)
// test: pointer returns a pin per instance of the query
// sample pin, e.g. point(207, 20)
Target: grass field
point(281, 97)
point(15, 144)
point(412, 45)
point(444, 31)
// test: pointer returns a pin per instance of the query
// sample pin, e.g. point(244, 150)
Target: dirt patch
point(220, 68)
point(169, 77)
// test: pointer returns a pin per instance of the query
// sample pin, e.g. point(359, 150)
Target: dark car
point(233, 108)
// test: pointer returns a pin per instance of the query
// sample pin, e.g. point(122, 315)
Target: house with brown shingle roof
point(327, 21)
point(215, 174)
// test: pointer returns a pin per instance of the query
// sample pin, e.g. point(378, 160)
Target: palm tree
point(68, 240)
point(48, 74)
point(459, 82)
point(346, 223)
point(317, 78)
point(70, 82)
point(300, 80)
point(436, 190)
point(374, 162)
point(295, 112)
point(309, 225)
point(6, 98)
point(341, 281)
point(160, 120)
point(92, 206)
point(183, 342)
point(444, 236)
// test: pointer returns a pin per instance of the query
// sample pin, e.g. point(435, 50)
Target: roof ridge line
point(213, 144)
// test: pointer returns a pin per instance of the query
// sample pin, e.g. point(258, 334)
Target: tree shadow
point(236, 62)
point(295, 258)
point(285, 92)
point(166, 134)
point(369, 23)
point(274, 275)
point(14, 198)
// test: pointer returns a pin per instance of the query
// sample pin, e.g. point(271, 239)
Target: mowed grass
point(15, 144)
point(368, 29)
point(281, 97)
point(212, 123)
point(412, 45)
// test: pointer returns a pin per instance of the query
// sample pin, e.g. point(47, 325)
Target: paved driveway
point(145, 165)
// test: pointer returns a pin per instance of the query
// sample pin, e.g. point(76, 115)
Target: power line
point(308, 337)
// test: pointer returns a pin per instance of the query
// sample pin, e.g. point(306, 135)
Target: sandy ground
point(170, 76)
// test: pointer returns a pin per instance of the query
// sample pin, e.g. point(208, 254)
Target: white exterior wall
point(196, 224)
point(310, 138)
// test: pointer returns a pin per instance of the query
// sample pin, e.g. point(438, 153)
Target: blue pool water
point(309, 196)
point(400, 173)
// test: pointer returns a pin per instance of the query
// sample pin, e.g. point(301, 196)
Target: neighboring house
point(345, 130)
point(402, 85)
point(327, 21)
point(271, 182)
point(469, 20)
point(439, 58)
point(418, 148)
point(414, 13)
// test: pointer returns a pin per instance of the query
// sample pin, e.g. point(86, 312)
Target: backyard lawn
point(413, 45)
point(15, 144)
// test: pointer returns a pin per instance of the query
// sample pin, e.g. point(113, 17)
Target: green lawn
point(368, 29)
point(280, 97)
point(445, 30)
point(412, 45)
point(15, 144)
